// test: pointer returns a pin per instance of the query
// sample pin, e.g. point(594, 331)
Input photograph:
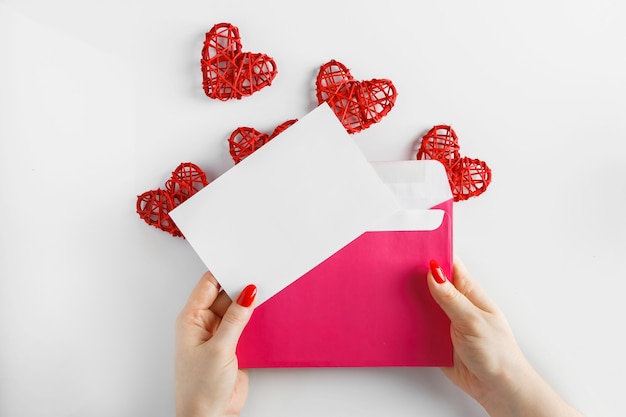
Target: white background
point(100, 101)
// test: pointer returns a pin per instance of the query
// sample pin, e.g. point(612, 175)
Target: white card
point(285, 208)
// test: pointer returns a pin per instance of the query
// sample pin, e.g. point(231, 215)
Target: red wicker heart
point(245, 140)
point(154, 206)
point(227, 72)
point(441, 144)
point(186, 180)
point(357, 104)
point(468, 177)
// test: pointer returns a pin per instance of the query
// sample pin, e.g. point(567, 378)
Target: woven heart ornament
point(357, 104)
point(227, 72)
point(468, 177)
point(154, 206)
point(245, 140)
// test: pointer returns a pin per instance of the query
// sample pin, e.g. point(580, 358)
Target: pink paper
point(367, 305)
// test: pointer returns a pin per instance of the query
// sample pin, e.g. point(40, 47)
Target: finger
point(456, 305)
point(235, 319)
point(204, 293)
point(221, 304)
point(464, 282)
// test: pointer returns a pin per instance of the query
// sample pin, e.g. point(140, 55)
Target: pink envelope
point(367, 305)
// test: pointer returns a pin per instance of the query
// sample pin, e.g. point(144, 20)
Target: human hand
point(488, 363)
point(208, 381)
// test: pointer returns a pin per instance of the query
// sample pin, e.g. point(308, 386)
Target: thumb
point(236, 318)
point(456, 305)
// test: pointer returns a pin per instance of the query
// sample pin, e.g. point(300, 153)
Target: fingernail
point(246, 298)
point(437, 272)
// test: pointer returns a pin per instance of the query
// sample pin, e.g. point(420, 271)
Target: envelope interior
point(419, 186)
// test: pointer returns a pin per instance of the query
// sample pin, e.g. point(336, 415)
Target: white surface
point(286, 208)
point(99, 101)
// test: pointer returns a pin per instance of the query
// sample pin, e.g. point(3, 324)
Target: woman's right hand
point(488, 363)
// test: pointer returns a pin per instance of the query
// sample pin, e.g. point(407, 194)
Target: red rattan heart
point(357, 104)
point(245, 140)
point(186, 180)
point(227, 72)
point(468, 177)
point(154, 206)
point(441, 144)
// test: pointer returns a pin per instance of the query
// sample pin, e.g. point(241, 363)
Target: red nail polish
point(437, 272)
point(246, 298)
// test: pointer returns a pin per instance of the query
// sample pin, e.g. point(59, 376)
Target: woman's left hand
point(208, 379)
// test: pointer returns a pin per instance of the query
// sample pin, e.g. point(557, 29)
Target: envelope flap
point(418, 184)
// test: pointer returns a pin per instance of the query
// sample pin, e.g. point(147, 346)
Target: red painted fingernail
point(246, 298)
point(437, 272)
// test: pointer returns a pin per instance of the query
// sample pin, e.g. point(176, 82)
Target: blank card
point(286, 208)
